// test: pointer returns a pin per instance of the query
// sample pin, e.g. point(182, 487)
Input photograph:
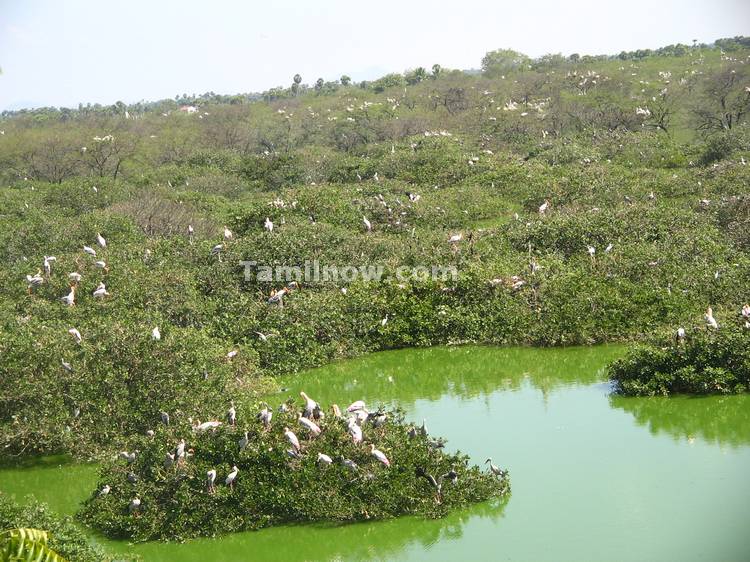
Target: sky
point(60, 53)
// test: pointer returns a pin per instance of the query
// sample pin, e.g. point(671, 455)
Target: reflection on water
point(408, 375)
point(594, 477)
point(716, 419)
point(383, 540)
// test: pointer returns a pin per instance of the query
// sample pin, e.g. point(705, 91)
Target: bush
point(273, 488)
point(708, 362)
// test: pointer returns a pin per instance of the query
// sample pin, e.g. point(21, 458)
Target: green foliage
point(61, 540)
point(27, 545)
point(503, 61)
point(273, 488)
point(707, 362)
point(468, 153)
point(387, 81)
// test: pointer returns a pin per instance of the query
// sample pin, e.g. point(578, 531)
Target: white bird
point(367, 223)
point(105, 490)
point(375, 177)
point(263, 337)
point(310, 405)
point(543, 207)
point(155, 334)
point(34, 281)
point(76, 334)
point(265, 416)
point(311, 426)
point(101, 264)
point(379, 455)
point(210, 479)
point(217, 249)
point(232, 354)
point(710, 320)
point(232, 414)
point(228, 234)
point(164, 417)
point(67, 366)
point(456, 238)
point(180, 450)
point(268, 225)
point(493, 468)
point(292, 438)
point(243, 442)
point(591, 250)
point(100, 240)
point(324, 459)
point(100, 292)
point(356, 432)
point(134, 505)
point(384, 321)
point(89, 250)
point(358, 405)
point(680, 334)
point(48, 264)
point(190, 232)
point(169, 460)
point(745, 312)
point(205, 426)
point(129, 457)
point(74, 277)
point(232, 476)
point(608, 249)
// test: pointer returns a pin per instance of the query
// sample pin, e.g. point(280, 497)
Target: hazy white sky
point(55, 52)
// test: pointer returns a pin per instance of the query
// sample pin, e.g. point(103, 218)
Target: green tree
point(501, 61)
point(345, 80)
point(436, 69)
point(416, 76)
point(296, 81)
point(388, 81)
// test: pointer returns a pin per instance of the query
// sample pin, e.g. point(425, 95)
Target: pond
point(594, 477)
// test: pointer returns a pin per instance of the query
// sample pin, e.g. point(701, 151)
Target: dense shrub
point(273, 487)
point(707, 362)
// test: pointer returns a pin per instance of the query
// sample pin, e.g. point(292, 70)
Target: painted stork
point(292, 438)
point(232, 476)
point(76, 335)
point(210, 480)
point(70, 298)
point(379, 455)
point(311, 426)
point(310, 405)
point(710, 320)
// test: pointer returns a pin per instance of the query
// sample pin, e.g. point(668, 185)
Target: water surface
point(594, 477)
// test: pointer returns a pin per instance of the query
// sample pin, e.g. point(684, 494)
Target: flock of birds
point(311, 419)
point(74, 278)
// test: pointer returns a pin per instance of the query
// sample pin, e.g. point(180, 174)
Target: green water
point(595, 477)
